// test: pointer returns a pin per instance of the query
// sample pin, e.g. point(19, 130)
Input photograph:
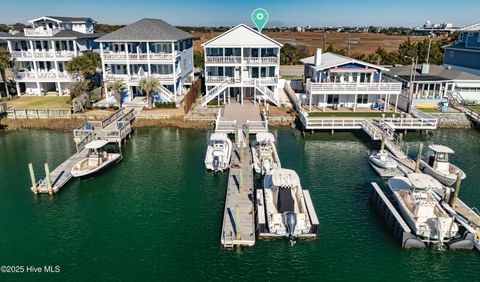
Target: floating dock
point(394, 220)
point(114, 128)
point(238, 228)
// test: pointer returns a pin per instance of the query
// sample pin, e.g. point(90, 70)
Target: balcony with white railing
point(40, 32)
point(393, 88)
point(42, 54)
point(223, 60)
point(122, 56)
point(43, 75)
point(264, 80)
point(169, 78)
point(260, 60)
point(220, 79)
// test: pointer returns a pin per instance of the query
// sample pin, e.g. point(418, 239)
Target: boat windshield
point(442, 157)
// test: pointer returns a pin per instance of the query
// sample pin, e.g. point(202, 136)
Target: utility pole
point(350, 42)
point(430, 37)
point(413, 72)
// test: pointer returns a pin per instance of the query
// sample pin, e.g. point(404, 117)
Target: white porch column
point(56, 63)
point(75, 48)
point(9, 44)
point(241, 96)
point(310, 102)
point(17, 84)
point(174, 70)
point(324, 102)
point(59, 87)
point(396, 103)
point(104, 75)
point(128, 59)
point(148, 58)
point(355, 101)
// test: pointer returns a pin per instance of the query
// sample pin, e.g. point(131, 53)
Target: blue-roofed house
point(465, 54)
point(335, 81)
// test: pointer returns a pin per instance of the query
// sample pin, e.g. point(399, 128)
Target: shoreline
point(68, 124)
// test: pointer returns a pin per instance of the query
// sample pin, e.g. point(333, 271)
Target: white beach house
point(42, 51)
point(149, 47)
point(241, 63)
point(334, 81)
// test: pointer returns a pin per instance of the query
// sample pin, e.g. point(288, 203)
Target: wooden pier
point(114, 128)
point(238, 227)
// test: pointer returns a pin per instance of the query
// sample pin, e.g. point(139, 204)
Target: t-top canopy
point(96, 144)
point(441, 149)
point(423, 181)
point(218, 136)
point(265, 136)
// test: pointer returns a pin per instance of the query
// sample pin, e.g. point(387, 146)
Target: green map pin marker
point(259, 18)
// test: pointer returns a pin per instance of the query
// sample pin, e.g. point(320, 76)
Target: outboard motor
point(216, 163)
point(291, 222)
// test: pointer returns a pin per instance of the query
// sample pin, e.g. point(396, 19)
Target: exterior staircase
point(267, 93)
point(166, 93)
point(215, 91)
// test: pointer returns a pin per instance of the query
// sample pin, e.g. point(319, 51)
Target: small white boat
point(435, 163)
point(219, 152)
point(264, 153)
point(96, 161)
point(422, 212)
point(285, 207)
point(383, 160)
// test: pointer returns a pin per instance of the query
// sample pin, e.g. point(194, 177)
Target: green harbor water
point(157, 215)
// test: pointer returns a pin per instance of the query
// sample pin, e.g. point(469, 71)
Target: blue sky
point(227, 12)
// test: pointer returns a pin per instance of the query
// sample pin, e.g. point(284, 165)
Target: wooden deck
point(238, 228)
point(60, 175)
point(114, 128)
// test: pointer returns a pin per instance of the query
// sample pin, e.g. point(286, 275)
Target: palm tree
point(117, 86)
point(5, 60)
point(149, 85)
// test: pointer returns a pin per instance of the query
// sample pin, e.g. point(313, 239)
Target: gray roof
point(330, 60)
point(436, 73)
point(147, 30)
point(60, 34)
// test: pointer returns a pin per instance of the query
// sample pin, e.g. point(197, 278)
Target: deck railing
point(260, 60)
point(122, 56)
point(223, 60)
point(332, 88)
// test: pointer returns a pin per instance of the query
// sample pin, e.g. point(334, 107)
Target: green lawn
point(430, 110)
point(349, 114)
point(40, 103)
point(291, 77)
point(476, 108)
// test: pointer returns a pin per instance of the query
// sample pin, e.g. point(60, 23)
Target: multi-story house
point(42, 51)
point(335, 81)
point(148, 47)
point(241, 63)
point(465, 54)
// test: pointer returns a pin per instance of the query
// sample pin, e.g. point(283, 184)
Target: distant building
point(42, 51)
point(465, 54)
point(336, 81)
point(148, 47)
point(242, 63)
point(433, 82)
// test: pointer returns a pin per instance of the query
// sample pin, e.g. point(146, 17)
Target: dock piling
point(47, 178)
point(32, 178)
point(454, 197)
point(419, 157)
